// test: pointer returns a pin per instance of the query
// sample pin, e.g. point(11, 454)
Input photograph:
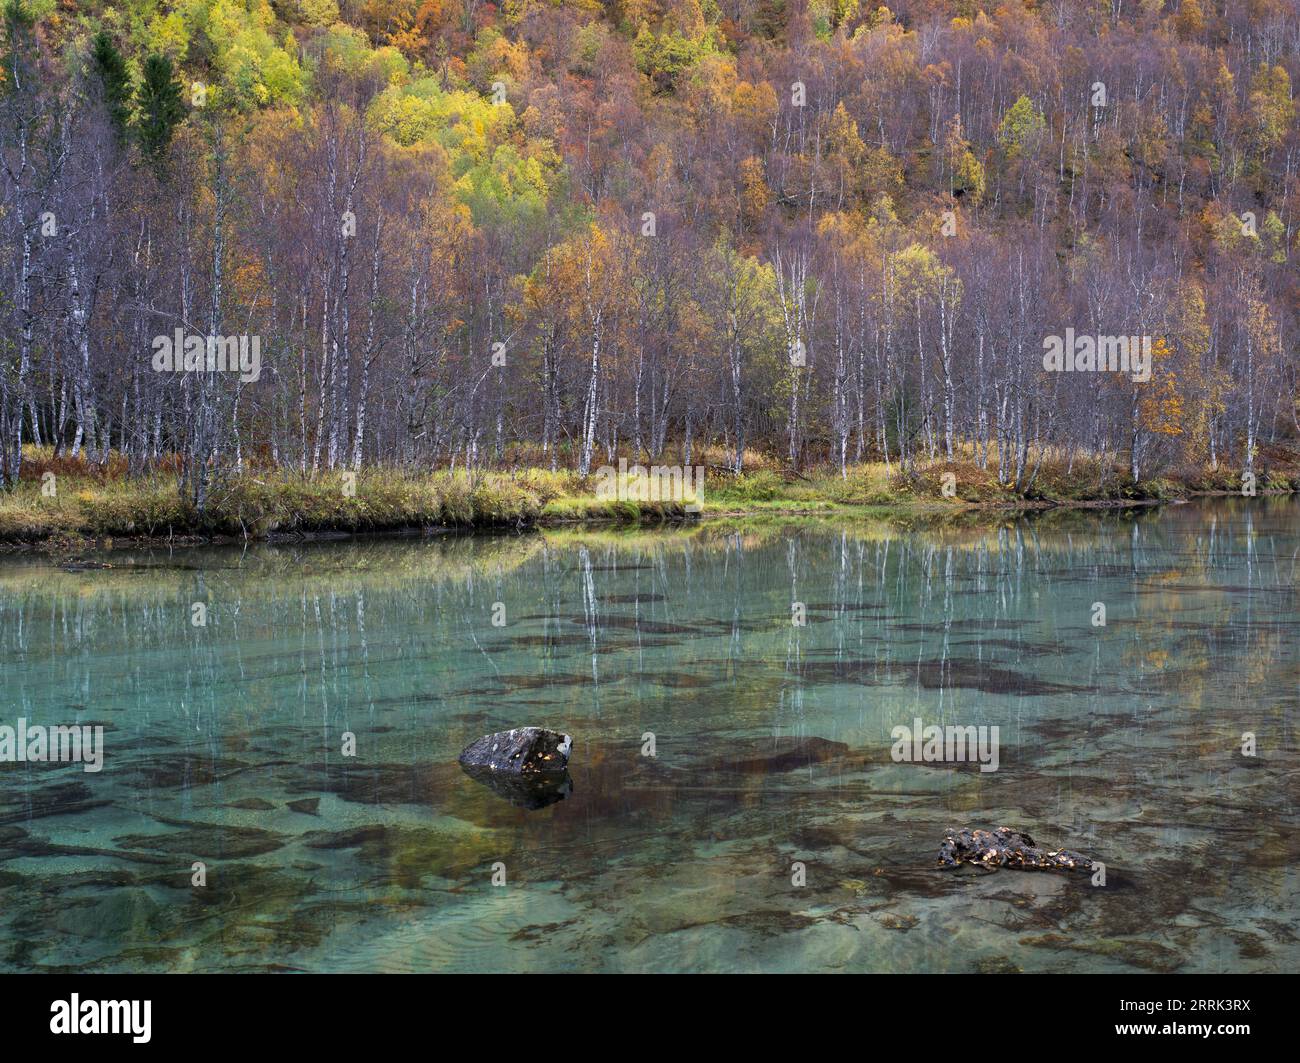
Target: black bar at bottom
point(1056, 1014)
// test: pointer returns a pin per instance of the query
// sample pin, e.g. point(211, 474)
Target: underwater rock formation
point(1005, 847)
point(527, 765)
point(532, 791)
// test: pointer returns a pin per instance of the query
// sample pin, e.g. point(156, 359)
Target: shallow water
point(224, 745)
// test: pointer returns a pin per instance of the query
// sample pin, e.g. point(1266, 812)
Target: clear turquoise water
point(772, 740)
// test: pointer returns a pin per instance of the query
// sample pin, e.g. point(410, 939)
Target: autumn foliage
point(829, 232)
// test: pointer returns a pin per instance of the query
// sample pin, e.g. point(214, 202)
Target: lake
point(279, 787)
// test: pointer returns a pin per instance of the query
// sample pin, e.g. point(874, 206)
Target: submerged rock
point(252, 804)
point(1005, 847)
point(528, 766)
point(774, 756)
point(531, 791)
point(997, 965)
point(521, 751)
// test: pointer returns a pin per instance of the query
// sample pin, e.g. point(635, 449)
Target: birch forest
point(463, 234)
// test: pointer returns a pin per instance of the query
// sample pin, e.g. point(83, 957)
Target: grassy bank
point(65, 500)
point(83, 501)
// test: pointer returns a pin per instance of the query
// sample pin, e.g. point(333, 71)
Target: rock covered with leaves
point(519, 751)
point(1005, 847)
point(528, 766)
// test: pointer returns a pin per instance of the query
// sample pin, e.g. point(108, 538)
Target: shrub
point(760, 486)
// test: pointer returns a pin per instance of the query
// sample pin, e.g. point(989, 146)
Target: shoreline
point(71, 543)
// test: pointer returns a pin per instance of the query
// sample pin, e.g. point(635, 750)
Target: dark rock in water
point(773, 756)
point(1005, 847)
point(11, 834)
point(58, 799)
point(308, 806)
point(521, 751)
point(252, 804)
point(205, 840)
point(975, 674)
point(348, 839)
point(527, 766)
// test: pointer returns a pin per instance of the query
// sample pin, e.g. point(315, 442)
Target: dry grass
point(103, 501)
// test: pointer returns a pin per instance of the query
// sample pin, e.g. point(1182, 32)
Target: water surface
point(224, 744)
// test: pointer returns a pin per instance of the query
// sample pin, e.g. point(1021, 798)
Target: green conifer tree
point(161, 108)
point(110, 67)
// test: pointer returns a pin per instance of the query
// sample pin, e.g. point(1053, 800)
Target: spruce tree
point(116, 82)
point(161, 108)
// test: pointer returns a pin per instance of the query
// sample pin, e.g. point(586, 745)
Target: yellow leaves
point(1158, 659)
point(965, 172)
point(845, 226)
point(1161, 408)
point(249, 281)
point(713, 83)
point(883, 213)
point(405, 119)
point(845, 152)
point(842, 136)
point(462, 122)
point(582, 275)
point(1022, 128)
point(169, 35)
point(1190, 20)
point(755, 197)
point(1271, 108)
point(410, 42)
point(498, 59)
point(687, 19)
point(755, 105)
point(937, 75)
point(319, 12)
point(1152, 143)
point(1223, 84)
point(1261, 327)
point(844, 11)
point(1193, 325)
point(856, 237)
point(920, 272)
point(1193, 395)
